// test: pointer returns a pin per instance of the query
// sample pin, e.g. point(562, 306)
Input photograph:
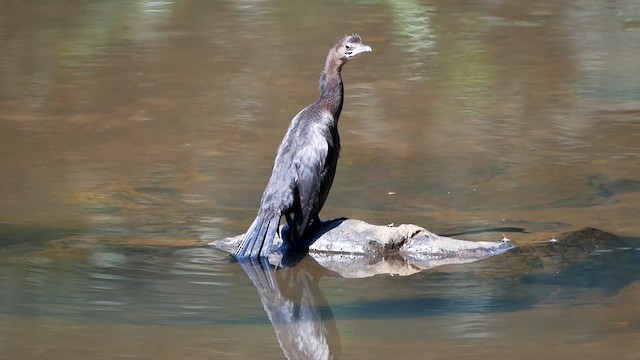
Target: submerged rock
point(354, 248)
point(570, 248)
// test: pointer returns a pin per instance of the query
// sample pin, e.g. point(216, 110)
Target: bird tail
point(259, 238)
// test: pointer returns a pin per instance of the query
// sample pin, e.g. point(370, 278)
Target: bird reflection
point(297, 308)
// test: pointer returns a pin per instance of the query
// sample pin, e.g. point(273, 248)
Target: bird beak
point(358, 50)
point(362, 48)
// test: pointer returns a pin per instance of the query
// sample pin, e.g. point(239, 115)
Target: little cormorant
point(306, 161)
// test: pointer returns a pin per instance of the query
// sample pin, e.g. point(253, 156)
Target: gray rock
point(353, 248)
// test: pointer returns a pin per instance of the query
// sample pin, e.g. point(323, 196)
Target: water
point(133, 133)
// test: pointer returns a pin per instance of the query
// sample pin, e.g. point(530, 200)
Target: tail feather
point(259, 238)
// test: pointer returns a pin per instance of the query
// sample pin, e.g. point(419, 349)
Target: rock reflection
point(297, 308)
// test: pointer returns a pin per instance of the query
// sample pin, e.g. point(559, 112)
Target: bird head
point(350, 46)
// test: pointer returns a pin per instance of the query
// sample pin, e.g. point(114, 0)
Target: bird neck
point(331, 88)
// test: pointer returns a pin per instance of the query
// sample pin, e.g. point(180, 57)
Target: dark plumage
point(306, 161)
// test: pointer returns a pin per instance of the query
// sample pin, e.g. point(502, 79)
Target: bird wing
point(310, 164)
point(299, 170)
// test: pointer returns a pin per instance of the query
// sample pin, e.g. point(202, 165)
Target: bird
point(306, 161)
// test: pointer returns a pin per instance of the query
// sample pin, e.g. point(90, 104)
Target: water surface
point(133, 133)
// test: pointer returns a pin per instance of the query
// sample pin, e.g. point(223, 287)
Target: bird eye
point(347, 47)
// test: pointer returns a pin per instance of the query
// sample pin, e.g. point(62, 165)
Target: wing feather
point(304, 168)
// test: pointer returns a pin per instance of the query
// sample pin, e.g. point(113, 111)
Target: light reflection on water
point(157, 287)
point(134, 133)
